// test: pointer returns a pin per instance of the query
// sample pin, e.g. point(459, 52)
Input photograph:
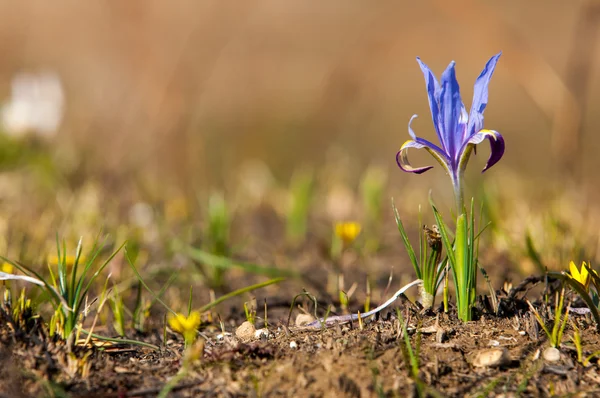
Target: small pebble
point(245, 331)
point(221, 336)
point(262, 333)
point(491, 357)
point(551, 354)
point(304, 319)
point(293, 345)
point(441, 336)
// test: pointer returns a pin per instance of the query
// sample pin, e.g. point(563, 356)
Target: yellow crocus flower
point(7, 268)
point(347, 231)
point(187, 326)
point(582, 276)
point(69, 260)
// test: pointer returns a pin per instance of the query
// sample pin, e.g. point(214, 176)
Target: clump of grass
point(560, 321)
point(428, 265)
point(69, 284)
point(578, 343)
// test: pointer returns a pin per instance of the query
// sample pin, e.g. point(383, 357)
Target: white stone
point(304, 319)
point(491, 357)
point(245, 331)
point(551, 354)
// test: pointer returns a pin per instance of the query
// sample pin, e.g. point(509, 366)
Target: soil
point(500, 355)
point(345, 360)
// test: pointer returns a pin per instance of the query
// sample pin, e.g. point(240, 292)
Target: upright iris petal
point(457, 131)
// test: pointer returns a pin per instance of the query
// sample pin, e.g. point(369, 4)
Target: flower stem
point(459, 194)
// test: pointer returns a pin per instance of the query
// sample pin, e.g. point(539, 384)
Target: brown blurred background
point(187, 90)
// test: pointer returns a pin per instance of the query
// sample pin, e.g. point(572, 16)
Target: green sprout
point(217, 236)
point(428, 265)
point(250, 310)
point(578, 343)
point(560, 321)
point(372, 186)
point(301, 192)
point(410, 355)
point(117, 307)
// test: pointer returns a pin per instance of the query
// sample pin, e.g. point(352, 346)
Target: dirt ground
point(500, 356)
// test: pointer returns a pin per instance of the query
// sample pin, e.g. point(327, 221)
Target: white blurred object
point(36, 105)
point(6, 277)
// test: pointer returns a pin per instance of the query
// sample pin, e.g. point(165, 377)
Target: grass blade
point(406, 241)
point(237, 292)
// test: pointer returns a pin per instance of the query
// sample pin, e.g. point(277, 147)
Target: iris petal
point(480, 95)
point(496, 147)
point(440, 152)
point(437, 153)
point(433, 94)
point(450, 110)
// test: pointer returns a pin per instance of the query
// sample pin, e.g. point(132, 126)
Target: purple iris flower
point(457, 131)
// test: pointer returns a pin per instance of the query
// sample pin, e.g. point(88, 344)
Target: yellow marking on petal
point(406, 143)
point(490, 133)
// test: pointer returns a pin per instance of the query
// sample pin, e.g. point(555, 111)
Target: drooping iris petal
point(496, 147)
point(420, 143)
point(480, 95)
point(403, 162)
point(450, 111)
point(425, 142)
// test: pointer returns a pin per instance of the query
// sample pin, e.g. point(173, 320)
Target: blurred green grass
point(166, 104)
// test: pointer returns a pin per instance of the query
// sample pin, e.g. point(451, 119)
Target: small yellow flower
point(582, 276)
point(69, 260)
point(186, 325)
point(347, 231)
point(176, 209)
point(7, 268)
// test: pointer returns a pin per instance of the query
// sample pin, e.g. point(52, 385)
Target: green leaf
point(227, 263)
point(237, 292)
point(406, 241)
point(533, 254)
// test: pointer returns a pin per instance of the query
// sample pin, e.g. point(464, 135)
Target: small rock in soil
point(304, 319)
point(245, 331)
point(491, 357)
point(262, 333)
point(551, 354)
